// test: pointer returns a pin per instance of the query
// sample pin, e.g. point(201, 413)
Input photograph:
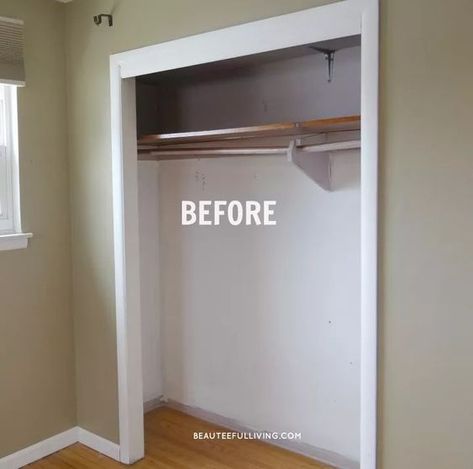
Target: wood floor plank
point(169, 444)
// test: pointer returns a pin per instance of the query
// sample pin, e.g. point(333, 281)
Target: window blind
point(12, 69)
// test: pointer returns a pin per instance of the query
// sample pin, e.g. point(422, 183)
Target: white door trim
point(344, 18)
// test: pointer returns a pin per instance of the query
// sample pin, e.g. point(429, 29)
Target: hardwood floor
point(170, 444)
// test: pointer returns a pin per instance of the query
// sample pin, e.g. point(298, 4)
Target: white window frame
point(11, 234)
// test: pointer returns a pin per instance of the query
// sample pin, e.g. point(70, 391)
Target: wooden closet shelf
point(310, 127)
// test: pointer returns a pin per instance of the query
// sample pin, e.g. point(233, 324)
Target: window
point(11, 236)
point(7, 215)
point(12, 75)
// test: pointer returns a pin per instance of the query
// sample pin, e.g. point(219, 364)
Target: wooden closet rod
point(162, 154)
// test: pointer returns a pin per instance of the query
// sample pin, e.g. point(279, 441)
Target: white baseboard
point(39, 450)
point(99, 444)
point(112, 450)
point(319, 454)
point(58, 442)
point(152, 404)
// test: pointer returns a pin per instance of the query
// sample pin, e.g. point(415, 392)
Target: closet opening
point(252, 327)
point(255, 327)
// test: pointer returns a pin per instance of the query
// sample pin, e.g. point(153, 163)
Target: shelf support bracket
point(317, 166)
point(329, 55)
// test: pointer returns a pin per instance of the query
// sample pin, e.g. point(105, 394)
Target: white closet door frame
point(340, 19)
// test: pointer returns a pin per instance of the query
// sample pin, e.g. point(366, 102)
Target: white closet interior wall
point(257, 324)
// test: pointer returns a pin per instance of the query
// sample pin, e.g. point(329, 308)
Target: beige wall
point(37, 395)
point(426, 345)
point(426, 222)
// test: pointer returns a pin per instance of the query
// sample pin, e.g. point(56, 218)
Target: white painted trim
point(58, 442)
point(99, 444)
point(339, 19)
point(127, 272)
point(39, 450)
point(15, 159)
point(10, 242)
point(369, 233)
point(294, 29)
point(11, 221)
point(319, 454)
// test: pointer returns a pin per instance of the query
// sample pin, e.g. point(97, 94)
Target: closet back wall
point(290, 89)
point(258, 324)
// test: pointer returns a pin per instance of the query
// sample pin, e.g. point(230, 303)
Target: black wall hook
point(98, 19)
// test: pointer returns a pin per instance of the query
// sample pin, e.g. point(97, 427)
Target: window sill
point(9, 242)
